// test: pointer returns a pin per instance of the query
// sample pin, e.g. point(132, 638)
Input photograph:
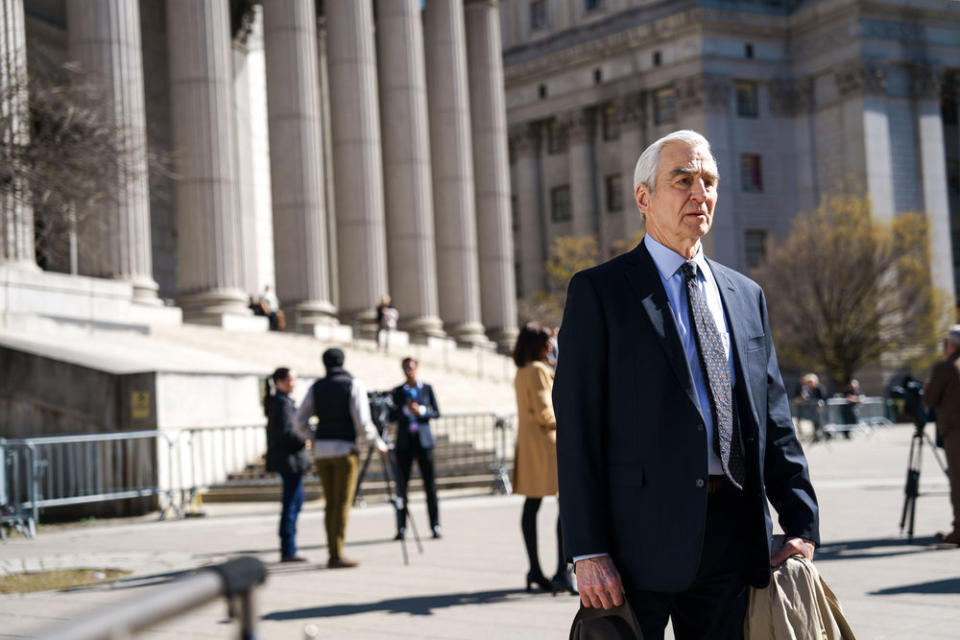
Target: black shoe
point(437, 533)
point(400, 535)
point(293, 559)
point(541, 581)
point(563, 582)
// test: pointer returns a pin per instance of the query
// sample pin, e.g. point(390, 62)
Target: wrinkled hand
point(792, 547)
point(599, 583)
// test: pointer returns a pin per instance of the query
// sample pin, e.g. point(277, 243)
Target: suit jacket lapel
point(643, 276)
point(736, 310)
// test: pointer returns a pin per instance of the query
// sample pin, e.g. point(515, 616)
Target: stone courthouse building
point(334, 150)
point(794, 96)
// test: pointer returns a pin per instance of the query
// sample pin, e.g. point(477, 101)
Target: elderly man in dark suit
point(673, 426)
point(942, 393)
point(414, 406)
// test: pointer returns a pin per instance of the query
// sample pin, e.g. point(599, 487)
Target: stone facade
point(794, 96)
point(304, 158)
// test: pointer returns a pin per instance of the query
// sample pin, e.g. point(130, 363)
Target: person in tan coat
point(535, 462)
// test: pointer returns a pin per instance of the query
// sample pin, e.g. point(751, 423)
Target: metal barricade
point(840, 416)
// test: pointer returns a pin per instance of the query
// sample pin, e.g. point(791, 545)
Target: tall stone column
point(631, 117)
point(329, 197)
point(582, 191)
point(406, 162)
point(296, 162)
point(532, 248)
point(104, 38)
point(16, 214)
point(352, 67)
point(451, 155)
point(208, 225)
point(927, 85)
point(498, 297)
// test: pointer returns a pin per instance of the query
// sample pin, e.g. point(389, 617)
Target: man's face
point(680, 210)
point(410, 369)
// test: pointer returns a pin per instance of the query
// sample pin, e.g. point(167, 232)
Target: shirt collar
point(669, 261)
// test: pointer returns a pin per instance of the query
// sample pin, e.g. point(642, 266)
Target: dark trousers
point(715, 605)
point(292, 502)
point(424, 458)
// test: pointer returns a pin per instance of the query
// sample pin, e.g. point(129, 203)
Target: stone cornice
point(861, 77)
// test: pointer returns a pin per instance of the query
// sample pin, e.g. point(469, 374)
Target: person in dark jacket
point(414, 406)
point(287, 455)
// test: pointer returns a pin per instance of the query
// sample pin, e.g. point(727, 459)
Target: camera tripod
point(911, 489)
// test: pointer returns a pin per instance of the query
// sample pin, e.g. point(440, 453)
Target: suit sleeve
point(432, 410)
point(396, 411)
point(579, 402)
point(786, 476)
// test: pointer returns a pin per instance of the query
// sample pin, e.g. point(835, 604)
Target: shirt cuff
point(423, 410)
point(577, 559)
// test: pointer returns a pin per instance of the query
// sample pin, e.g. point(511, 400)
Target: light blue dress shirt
point(668, 264)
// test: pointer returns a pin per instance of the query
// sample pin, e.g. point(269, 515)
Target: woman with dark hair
point(535, 461)
point(287, 455)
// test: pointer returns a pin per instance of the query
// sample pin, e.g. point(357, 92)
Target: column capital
point(525, 138)
point(702, 91)
point(862, 77)
point(630, 110)
point(792, 96)
point(579, 125)
point(926, 81)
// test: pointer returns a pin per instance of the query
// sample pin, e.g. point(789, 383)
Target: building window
point(542, 91)
point(614, 193)
point(538, 14)
point(597, 76)
point(556, 138)
point(592, 5)
point(560, 203)
point(751, 174)
point(610, 122)
point(755, 242)
point(664, 106)
point(748, 50)
point(657, 58)
point(747, 102)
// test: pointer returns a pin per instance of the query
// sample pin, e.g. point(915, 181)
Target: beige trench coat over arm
point(535, 461)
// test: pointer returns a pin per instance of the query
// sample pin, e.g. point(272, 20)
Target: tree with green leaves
point(845, 290)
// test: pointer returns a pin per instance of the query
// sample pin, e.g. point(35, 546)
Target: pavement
point(469, 584)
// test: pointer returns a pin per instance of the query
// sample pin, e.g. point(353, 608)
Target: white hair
point(645, 172)
point(954, 335)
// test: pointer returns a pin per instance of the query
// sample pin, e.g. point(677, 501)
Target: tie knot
point(689, 270)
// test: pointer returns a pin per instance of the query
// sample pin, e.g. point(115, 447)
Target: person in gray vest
point(339, 403)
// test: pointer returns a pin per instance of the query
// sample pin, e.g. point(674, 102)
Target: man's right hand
point(599, 583)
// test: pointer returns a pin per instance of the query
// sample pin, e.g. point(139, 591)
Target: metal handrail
point(235, 580)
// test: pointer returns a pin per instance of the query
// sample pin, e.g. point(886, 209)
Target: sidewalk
point(470, 583)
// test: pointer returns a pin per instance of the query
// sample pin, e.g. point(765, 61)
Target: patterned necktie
point(713, 361)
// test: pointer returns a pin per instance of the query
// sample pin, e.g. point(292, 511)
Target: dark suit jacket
point(427, 399)
point(631, 443)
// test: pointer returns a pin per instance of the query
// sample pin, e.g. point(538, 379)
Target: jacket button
point(700, 483)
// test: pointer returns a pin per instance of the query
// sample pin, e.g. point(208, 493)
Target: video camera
point(381, 402)
point(911, 392)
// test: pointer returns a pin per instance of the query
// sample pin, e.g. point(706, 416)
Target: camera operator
point(339, 402)
point(942, 393)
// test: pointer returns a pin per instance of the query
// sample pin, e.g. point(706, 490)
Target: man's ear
point(642, 196)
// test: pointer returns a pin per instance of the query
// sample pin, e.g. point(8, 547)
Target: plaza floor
point(469, 584)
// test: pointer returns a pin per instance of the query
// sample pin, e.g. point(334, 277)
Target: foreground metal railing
point(235, 580)
point(175, 466)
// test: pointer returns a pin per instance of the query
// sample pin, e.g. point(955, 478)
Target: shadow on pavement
point(309, 547)
point(950, 585)
point(415, 606)
point(877, 548)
